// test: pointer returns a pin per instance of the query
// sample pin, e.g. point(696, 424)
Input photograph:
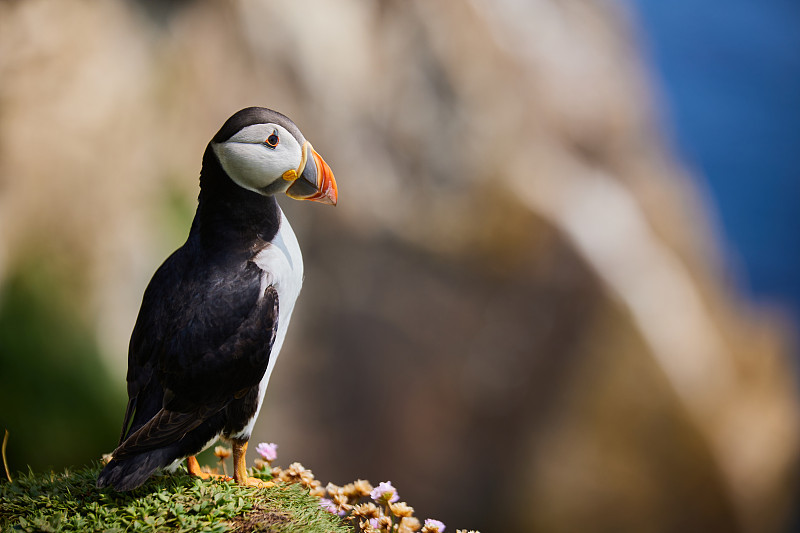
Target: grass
point(179, 502)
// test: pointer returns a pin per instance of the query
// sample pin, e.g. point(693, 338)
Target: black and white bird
point(215, 314)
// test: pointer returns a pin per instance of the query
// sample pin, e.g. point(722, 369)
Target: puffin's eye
point(273, 140)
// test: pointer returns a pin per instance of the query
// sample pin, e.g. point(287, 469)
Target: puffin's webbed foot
point(258, 483)
point(194, 469)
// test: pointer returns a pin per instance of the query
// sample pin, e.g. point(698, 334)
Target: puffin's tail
point(132, 472)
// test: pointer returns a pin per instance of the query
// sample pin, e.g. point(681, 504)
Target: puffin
point(215, 314)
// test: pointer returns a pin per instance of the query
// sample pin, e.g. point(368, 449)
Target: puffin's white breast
point(281, 264)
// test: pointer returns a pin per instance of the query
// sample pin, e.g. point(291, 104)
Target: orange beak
point(316, 181)
point(327, 193)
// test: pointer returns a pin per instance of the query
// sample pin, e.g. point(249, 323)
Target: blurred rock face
point(514, 313)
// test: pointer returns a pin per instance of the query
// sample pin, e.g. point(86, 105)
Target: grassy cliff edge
point(71, 502)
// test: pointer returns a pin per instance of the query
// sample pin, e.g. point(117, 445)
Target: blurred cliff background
point(559, 293)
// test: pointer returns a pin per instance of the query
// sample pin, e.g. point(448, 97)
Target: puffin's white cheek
point(251, 166)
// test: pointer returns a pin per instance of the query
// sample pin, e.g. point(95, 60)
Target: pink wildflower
point(434, 525)
point(384, 493)
point(331, 507)
point(267, 451)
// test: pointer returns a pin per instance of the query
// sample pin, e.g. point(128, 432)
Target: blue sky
point(729, 75)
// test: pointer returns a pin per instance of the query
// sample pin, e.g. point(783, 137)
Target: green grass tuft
point(71, 502)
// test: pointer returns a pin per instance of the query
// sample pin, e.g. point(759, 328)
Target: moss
point(71, 502)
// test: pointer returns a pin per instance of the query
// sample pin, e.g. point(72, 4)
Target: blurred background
point(560, 290)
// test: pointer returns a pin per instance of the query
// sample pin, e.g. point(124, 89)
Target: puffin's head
point(264, 152)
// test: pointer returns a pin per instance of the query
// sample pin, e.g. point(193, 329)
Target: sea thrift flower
point(307, 479)
point(432, 526)
point(331, 507)
point(384, 493)
point(401, 509)
point(350, 491)
point(269, 452)
point(333, 489)
point(362, 487)
point(222, 452)
point(297, 473)
point(408, 525)
point(366, 510)
point(340, 500)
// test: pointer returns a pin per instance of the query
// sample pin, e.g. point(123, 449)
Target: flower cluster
point(297, 473)
point(369, 509)
point(375, 509)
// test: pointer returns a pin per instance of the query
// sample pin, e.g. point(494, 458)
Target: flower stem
point(3, 453)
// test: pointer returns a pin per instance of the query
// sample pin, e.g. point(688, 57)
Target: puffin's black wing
point(200, 371)
point(202, 360)
point(153, 325)
point(196, 316)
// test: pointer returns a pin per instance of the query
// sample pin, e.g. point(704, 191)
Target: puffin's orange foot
point(194, 469)
point(258, 483)
point(212, 475)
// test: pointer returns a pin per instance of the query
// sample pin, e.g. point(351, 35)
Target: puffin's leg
point(240, 466)
point(194, 469)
